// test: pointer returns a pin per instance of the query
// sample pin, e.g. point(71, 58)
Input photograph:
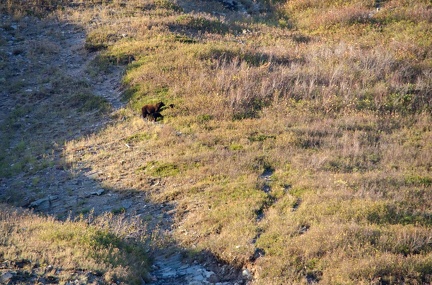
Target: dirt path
point(45, 63)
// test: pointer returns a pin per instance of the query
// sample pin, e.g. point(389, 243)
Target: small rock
point(198, 278)
point(208, 274)
point(6, 277)
point(93, 175)
point(127, 204)
point(99, 192)
point(246, 273)
point(169, 274)
point(213, 278)
point(96, 193)
point(39, 202)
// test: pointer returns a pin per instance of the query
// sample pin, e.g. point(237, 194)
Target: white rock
point(246, 273)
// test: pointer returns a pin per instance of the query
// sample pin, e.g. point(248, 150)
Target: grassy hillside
point(300, 145)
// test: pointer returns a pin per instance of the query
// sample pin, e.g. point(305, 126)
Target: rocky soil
point(43, 62)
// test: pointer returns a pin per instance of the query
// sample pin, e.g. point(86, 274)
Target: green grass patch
point(160, 169)
point(86, 102)
point(200, 23)
point(419, 180)
point(138, 138)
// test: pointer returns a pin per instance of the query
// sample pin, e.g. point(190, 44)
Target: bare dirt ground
point(44, 64)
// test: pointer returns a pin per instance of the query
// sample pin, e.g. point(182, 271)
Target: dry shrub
point(301, 5)
point(343, 16)
point(39, 48)
point(38, 8)
point(416, 11)
point(247, 88)
point(318, 14)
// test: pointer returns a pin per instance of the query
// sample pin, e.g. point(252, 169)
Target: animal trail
point(296, 204)
point(265, 177)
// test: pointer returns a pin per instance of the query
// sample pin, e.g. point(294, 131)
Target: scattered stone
point(6, 277)
point(98, 192)
point(259, 252)
point(168, 273)
point(246, 273)
point(38, 203)
point(172, 270)
point(93, 175)
point(50, 270)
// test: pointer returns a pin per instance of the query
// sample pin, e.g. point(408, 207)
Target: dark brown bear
point(152, 110)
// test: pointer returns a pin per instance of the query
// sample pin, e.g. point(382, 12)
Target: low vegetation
point(300, 142)
point(57, 251)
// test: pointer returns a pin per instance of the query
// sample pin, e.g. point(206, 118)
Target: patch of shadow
point(303, 229)
point(314, 277)
point(301, 39)
point(296, 205)
point(287, 187)
point(193, 26)
point(267, 173)
point(259, 252)
point(266, 178)
point(233, 5)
